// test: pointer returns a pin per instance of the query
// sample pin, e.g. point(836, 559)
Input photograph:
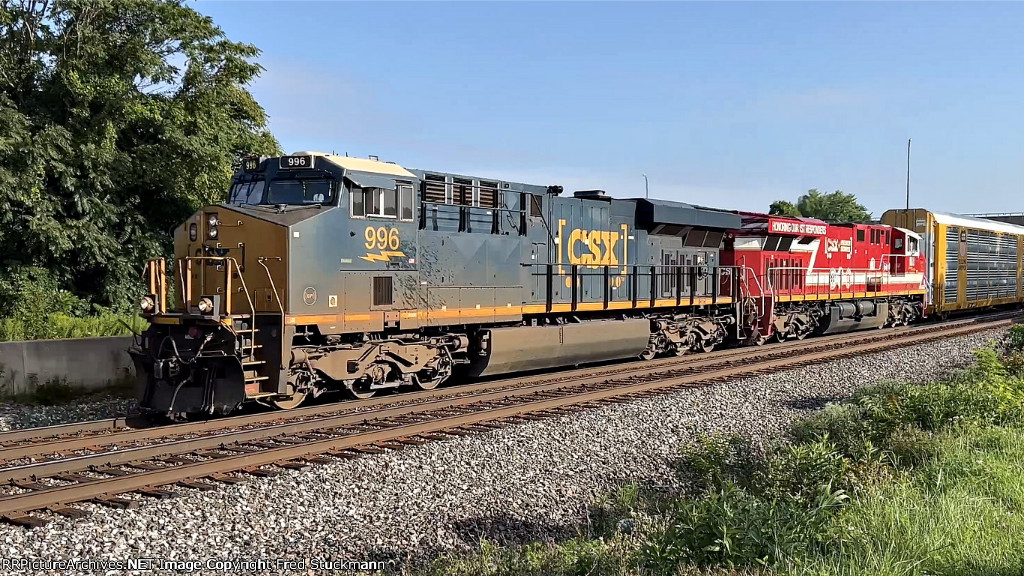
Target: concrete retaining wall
point(84, 362)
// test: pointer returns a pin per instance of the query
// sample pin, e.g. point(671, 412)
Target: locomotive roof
point(758, 222)
point(651, 212)
point(363, 164)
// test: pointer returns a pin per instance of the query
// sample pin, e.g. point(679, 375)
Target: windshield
point(247, 193)
point(300, 192)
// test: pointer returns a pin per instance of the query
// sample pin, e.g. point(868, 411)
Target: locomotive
point(326, 273)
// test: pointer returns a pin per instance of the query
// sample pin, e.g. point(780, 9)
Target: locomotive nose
point(231, 261)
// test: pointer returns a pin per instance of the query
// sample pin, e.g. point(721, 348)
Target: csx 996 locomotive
point(329, 273)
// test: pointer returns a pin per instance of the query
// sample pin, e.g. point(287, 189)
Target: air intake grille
point(383, 293)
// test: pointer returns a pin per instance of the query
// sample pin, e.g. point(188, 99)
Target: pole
point(647, 189)
point(908, 173)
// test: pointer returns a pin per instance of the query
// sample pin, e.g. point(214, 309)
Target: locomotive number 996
point(381, 238)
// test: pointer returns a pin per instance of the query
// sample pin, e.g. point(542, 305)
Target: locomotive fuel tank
point(856, 315)
point(519, 348)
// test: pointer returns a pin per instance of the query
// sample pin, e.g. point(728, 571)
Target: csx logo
point(593, 247)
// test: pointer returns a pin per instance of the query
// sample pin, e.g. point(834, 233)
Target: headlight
point(205, 305)
point(212, 221)
point(147, 303)
point(193, 232)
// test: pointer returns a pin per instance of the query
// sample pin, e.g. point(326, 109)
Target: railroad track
point(51, 468)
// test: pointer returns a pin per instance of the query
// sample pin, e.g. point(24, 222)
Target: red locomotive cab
point(905, 252)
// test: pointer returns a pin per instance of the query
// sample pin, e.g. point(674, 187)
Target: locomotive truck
point(326, 273)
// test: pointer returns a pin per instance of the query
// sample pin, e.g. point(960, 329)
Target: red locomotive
point(805, 276)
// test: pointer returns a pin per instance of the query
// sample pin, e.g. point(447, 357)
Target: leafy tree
point(117, 120)
point(833, 207)
point(783, 208)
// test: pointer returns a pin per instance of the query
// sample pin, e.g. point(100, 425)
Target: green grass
point(960, 513)
point(55, 326)
point(899, 480)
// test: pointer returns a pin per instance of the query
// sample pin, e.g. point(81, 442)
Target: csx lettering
point(382, 238)
point(593, 247)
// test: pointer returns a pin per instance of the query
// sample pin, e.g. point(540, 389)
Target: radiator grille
point(434, 189)
point(383, 293)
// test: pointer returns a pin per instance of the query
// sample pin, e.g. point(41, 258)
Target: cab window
point(382, 203)
point(302, 191)
point(247, 193)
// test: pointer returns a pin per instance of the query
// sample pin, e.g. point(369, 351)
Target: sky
point(731, 105)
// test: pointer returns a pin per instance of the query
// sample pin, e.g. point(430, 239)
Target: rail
point(153, 468)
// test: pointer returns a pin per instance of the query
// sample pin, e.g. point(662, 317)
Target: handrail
point(270, 277)
point(231, 260)
point(817, 272)
point(273, 288)
point(155, 273)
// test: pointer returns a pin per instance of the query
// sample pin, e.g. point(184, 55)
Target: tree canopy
point(118, 118)
point(836, 206)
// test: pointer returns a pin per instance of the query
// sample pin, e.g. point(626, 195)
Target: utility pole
point(647, 189)
point(908, 173)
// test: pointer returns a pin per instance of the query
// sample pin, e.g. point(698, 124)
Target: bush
point(734, 527)
point(54, 326)
point(714, 459)
point(36, 308)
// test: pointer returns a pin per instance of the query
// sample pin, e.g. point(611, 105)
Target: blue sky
point(723, 104)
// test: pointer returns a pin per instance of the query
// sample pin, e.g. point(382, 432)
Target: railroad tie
point(197, 485)
point(25, 521)
point(292, 465)
point(157, 493)
point(115, 502)
point(226, 479)
point(68, 512)
point(262, 472)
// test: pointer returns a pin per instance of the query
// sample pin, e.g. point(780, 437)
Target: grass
point(56, 326)
point(899, 480)
point(959, 513)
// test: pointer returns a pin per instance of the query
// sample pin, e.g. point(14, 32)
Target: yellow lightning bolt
point(384, 256)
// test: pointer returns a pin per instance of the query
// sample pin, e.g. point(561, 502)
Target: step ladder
point(251, 362)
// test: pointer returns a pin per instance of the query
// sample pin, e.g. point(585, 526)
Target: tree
point(117, 120)
point(834, 207)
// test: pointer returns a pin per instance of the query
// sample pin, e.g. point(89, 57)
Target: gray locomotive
point(330, 273)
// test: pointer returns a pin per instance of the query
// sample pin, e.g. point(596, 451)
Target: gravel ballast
point(15, 416)
point(529, 480)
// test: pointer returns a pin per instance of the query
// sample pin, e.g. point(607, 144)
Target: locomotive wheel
point(291, 401)
point(426, 384)
point(802, 334)
point(358, 390)
point(706, 346)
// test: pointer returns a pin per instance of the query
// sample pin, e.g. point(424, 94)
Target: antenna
point(908, 173)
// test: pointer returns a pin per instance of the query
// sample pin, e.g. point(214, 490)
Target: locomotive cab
point(271, 295)
point(906, 249)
